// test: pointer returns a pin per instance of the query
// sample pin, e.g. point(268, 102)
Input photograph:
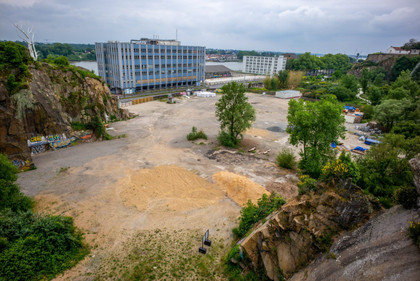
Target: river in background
point(92, 65)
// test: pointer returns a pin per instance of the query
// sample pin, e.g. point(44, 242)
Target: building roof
point(217, 68)
point(397, 48)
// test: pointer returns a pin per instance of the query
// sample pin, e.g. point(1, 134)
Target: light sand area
point(156, 179)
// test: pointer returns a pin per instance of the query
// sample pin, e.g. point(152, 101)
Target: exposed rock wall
point(292, 236)
point(379, 250)
point(54, 99)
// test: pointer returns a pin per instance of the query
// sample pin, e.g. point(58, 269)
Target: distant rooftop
point(168, 42)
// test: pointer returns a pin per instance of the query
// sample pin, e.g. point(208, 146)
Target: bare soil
point(135, 196)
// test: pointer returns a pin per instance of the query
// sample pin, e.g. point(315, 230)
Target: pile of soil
point(239, 188)
point(168, 187)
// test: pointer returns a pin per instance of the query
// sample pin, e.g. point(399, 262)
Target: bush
point(406, 196)
point(306, 184)
point(10, 195)
point(32, 247)
point(414, 231)
point(341, 168)
point(37, 247)
point(286, 159)
point(226, 140)
point(194, 134)
point(61, 61)
point(251, 213)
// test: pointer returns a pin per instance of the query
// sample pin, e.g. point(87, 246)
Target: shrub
point(194, 134)
point(37, 247)
point(406, 196)
point(341, 168)
point(251, 213)
point(78, 126)
point(306, 184)
point(10, 195)
point(61, 61)
point(32, 247)
point(414, 231)
point(286, 159)
point(226, 140)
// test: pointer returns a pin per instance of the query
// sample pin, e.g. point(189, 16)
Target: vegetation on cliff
point(32, 246)
point(46, 98)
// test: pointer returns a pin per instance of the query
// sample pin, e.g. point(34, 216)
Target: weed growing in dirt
point(194, 134)
point(286, 159)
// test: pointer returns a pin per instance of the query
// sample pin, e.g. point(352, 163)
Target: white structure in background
point(400, 50)
point(288, 94)
point(205, 94)
point(239, 79)
point(28, 37)
point(263, 65)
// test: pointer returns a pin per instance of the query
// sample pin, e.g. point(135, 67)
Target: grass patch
point(194, 134)
point(286, 159)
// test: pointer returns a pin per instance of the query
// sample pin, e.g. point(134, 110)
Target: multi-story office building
point(148, 64)
point(263, 65)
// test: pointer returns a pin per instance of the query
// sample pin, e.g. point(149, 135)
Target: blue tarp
point(333, 145)
point(371, 142)
point(351, 108)
point(359, 148)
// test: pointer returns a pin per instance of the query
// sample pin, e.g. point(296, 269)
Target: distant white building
point(263, 65)
point(399, 50)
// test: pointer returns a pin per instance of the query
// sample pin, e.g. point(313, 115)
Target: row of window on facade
point(136, 50)
point(136, 57)
point(145, 66)
point(137, 73)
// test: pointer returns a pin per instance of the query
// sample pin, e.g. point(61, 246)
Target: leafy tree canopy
point(234, 113)
point(315, 125)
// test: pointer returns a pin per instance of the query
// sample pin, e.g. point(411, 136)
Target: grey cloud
point(301, 25)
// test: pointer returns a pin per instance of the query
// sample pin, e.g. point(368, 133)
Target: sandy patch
point(168, 187)
point(239, 188)
point(258, 133)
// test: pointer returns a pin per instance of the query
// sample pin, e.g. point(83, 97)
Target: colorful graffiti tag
point(39, 144)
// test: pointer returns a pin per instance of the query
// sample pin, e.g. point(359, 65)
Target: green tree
point(350, 82)
point(382, 170)
point(234, 113)
point(375, 95)
point(364, 80)
point(315, 125)
point(10, 195)
point(62, 60)
point(390, 111)
point(283, 77)
point(405, 82)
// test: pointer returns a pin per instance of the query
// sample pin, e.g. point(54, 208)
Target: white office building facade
point(263, 65)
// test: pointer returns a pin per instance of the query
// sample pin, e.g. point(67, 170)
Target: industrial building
point(263, 65)
point(149, 64)
point(217, 71)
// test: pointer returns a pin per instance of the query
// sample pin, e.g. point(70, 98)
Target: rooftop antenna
point(176, 34)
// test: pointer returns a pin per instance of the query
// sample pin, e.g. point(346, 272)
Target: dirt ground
point(155, 181)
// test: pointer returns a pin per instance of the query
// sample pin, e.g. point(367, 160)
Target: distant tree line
point(411, 44)
point(74, 52)
point(307, 61)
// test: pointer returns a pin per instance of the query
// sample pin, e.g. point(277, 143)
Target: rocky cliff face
point(55, 98)
point(379, 250)
point(292, 237)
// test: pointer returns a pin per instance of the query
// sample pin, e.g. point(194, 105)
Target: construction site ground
point(144, 200)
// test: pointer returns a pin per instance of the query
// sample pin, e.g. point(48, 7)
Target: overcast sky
point(317, 26)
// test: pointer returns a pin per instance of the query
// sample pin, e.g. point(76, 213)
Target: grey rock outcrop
point(379, 250)
point(54, 98)
point(292, 236)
